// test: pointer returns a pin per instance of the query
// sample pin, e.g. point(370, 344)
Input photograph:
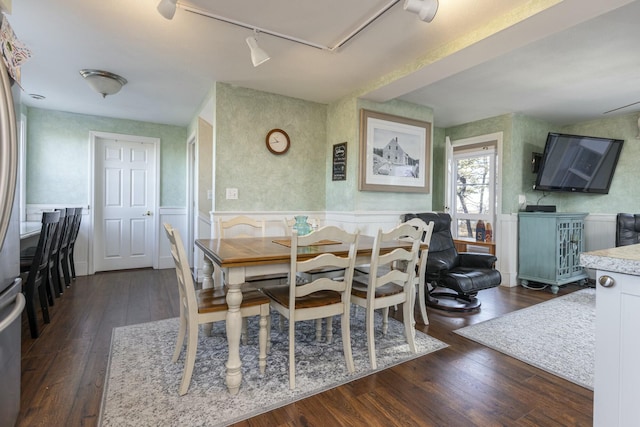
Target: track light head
point(167, 8)
point(258, 55)
point(425, 9)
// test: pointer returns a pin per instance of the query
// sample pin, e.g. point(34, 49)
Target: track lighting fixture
point(167, 8)
point(425, 9)
point(258, 55)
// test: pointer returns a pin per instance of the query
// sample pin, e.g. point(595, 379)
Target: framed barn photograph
point(394, 153)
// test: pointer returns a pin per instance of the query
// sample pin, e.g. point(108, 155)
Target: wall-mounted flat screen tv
point(578, 164)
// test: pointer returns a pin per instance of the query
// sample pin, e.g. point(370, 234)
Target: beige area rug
point(557, 336)
point(142, 383)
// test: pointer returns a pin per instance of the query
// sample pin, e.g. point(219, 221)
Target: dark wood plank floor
point(466, 384)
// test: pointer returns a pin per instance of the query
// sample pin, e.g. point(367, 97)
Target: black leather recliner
point(454, 278)
point(627, 229)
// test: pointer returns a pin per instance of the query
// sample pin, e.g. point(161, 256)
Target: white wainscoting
point(599, 231)
point(274, 220)
point(174, 216)
point(177, 217)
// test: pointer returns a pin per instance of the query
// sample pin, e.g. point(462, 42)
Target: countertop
point(28, 229)
point(624, 259)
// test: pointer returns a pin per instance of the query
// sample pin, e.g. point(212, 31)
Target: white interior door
point(124, 202)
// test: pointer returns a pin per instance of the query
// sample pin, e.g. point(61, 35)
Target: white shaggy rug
point(142, 384)
point(557, 336)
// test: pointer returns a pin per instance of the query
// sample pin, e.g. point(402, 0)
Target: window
point(473, 185)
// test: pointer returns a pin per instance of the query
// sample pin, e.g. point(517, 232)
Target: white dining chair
point(321, 298)
point(206, 306)
point(390, 282)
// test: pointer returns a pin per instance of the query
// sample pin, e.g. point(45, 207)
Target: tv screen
point(579, 164)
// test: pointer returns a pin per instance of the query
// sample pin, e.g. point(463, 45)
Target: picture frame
point(339, 157)
point(395, 153)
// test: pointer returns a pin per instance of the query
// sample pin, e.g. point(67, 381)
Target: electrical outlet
point(232, 193)
point(209, 194)
point(522, 199)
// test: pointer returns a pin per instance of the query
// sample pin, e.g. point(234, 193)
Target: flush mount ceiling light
point(425, 9)
point(103, 82)
point(167, 8)
point(258, 55)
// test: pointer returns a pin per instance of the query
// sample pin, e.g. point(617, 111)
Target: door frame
point(192, 197)
point(93, 136)
point(480, 139)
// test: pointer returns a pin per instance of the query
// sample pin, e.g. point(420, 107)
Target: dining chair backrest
point(241, 226)
point(323, 261)
point(75, 229)
point(68, 226)
point(402, 260)
point(75, 225)
point(54, 254)
point(186, 288)
point(47, 234)
point(421, 268)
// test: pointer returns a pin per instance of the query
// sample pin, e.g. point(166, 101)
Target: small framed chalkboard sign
point(339, 162)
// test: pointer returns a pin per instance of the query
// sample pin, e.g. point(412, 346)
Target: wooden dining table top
point(253, 251)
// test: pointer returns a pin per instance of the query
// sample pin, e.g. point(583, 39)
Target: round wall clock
point(278, 141)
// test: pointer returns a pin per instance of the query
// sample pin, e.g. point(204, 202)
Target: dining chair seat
point(280, 295)
point(213, 300)
point(359, 289)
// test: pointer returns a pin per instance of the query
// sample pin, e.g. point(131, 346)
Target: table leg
point(235, 278)
point(207, 282)
point(207, 272)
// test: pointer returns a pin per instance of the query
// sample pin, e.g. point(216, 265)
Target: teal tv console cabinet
point(549, 247)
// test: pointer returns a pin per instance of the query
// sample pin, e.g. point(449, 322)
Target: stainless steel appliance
point(11, 299)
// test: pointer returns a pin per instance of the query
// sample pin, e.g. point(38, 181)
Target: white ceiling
point(570, 62)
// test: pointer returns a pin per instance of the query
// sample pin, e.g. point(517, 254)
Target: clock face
point(278, 141)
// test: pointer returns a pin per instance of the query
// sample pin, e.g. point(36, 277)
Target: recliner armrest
point(437, 265)
point(475, 259)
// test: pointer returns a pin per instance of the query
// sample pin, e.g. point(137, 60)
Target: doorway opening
point(473, 186)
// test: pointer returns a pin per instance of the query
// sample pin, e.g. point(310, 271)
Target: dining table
point(239, 258)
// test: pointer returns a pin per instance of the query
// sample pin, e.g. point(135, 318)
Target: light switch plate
point(232, 193)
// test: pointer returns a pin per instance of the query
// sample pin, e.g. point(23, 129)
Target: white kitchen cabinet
point(617, 359)
point(617, 375)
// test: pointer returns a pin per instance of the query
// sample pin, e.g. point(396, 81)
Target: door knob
point(606, 281)
point(147, 213)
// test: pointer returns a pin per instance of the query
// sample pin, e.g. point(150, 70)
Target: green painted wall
point(58, 161)
point(439, 169)
point(624, 193)
point(292, 181)
point(524, 135)
point(342, 126)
